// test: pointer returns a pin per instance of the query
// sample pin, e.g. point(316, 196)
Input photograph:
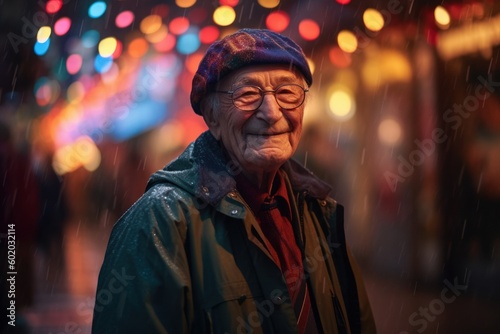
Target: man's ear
point(210, 118)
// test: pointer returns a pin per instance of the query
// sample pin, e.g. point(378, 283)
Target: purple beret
point(244, 47)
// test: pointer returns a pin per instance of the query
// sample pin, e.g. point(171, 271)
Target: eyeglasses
point(249, 98)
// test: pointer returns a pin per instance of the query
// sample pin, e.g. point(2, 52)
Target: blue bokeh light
point(41, 48)
point(142, 116)
point(97, 9)
point(102, 64)
point(90, 38)
point(189, 42)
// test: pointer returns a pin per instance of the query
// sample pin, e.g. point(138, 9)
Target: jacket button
point(205, 190)
point(242, 298)
point(278, 300)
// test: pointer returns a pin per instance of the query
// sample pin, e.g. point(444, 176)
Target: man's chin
point(268, 158)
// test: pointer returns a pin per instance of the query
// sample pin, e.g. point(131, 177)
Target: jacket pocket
point(232, 308)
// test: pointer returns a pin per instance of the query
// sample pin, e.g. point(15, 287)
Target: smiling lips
point(268, 134)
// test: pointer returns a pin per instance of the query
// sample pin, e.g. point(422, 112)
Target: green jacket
point(189, 257)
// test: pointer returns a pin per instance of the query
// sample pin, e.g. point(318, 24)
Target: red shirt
point(274, 215)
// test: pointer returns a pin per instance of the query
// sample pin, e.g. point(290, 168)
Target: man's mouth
point(268, 134)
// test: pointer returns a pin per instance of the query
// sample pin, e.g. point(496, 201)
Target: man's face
point(260, 140)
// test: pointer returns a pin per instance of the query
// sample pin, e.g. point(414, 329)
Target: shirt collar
point(255, 197)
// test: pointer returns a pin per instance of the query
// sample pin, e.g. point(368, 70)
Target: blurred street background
point(403, 120)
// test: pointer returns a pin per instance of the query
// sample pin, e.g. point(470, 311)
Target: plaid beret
point(243, 48)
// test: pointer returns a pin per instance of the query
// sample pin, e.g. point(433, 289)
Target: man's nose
point(269, 110)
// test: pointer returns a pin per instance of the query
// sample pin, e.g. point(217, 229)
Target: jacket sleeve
point(144, 284)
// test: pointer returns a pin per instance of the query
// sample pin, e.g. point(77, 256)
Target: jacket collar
point(203, 171)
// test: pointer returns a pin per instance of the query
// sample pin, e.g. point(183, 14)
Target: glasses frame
point(263, 92)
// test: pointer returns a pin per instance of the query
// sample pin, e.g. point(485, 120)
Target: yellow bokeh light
point(389, 131)
point(269, 3)
point(151, 24)
point(62, 162)
point(43, 34)
point(388, 66)
point(88, 153)
point(347, 41)
point(442, 17)
point(478, 36)
point(224, 15)
point(107, 46)
point(342, 104)
point(70, 113)
point(83, 152)
point(373, 19)
point(185, 3)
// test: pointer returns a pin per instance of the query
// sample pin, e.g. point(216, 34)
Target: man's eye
point(249, 93)
point(246, 94)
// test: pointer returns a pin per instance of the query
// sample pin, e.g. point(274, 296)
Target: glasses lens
point(290, 96)
point(246, 97)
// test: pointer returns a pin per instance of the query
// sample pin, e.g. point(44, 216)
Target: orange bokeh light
point(138, 48)
point(193, 61)
point(339, 58)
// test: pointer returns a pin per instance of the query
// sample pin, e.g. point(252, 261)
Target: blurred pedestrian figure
point(53, 214)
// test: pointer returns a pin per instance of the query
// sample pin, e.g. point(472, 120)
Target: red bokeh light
point(165, 45)
point(62, 26)
point(53, 6)
point(124, 19)
point(118, 50)
point(309, 29)
point(179, 25)
point(209, 34)
point(231, 3)
point(277, 21)
point(160, 10)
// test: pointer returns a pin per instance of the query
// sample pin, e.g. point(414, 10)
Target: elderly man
point(233, 236)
